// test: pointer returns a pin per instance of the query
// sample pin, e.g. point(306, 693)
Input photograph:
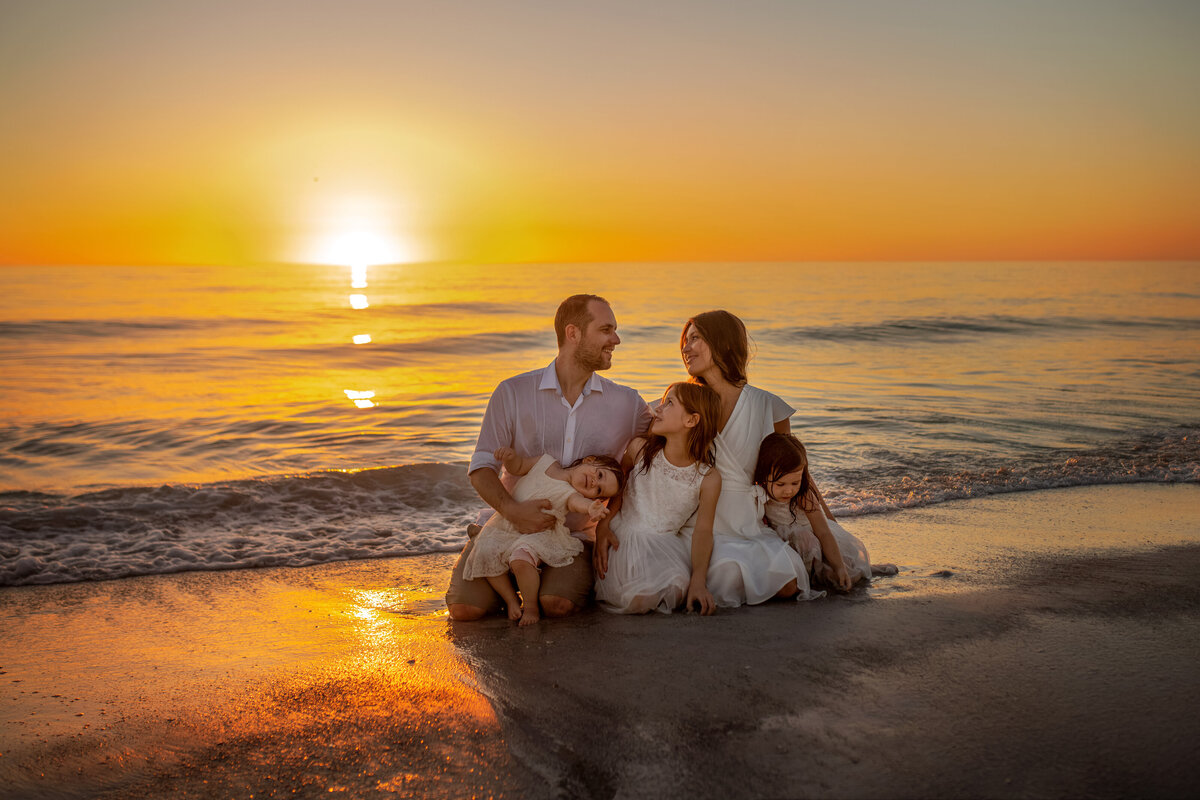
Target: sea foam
point(298, 520)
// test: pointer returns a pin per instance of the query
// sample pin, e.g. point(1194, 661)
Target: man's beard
point(591, 358)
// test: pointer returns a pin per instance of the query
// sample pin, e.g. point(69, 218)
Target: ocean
point(168, 419)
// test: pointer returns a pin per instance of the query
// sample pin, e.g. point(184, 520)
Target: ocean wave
point(958, 328)
point(97, 328)
point(1171, 456)
point(282, 521)
point(128, 328)
point(299, 520)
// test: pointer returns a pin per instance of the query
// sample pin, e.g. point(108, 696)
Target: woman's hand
point(699, 594)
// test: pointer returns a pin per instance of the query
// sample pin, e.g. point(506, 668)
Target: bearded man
point(568, 411)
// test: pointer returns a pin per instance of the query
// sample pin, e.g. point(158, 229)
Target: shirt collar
point(550, 381)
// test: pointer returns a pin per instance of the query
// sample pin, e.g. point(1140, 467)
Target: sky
point(294, 131)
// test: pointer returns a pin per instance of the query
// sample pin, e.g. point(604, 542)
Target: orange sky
point(262, 132)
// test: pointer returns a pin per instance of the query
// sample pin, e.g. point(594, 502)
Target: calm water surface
point(913, 383)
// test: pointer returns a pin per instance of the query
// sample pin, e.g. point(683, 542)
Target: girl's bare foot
point(514, 611)
point(529, 616)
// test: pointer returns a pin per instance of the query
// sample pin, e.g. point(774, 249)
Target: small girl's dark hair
point(778, 455)
point(604, 462)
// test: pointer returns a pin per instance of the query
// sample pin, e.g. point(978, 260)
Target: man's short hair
point(574, 311)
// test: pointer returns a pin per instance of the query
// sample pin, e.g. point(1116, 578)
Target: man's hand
point(699, 594)
point(529, 516)
point(604, 539)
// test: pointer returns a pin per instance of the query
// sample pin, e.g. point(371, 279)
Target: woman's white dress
point(749, 562)
point(652, 567)
point(798, 533)
point(555, 547)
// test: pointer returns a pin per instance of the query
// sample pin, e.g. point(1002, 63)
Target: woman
point(750, 564)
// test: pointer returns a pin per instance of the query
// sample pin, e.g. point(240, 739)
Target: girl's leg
point(503, 586)
point(528, 580)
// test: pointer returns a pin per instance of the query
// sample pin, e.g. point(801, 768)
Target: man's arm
point(497, 432)
point(605, 538)
point(526, 517)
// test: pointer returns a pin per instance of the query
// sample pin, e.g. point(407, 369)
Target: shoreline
point(1040, 643)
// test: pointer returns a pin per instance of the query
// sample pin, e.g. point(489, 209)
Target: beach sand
point(1041, 644)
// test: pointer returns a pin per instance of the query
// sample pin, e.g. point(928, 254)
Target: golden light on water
point(362, 399)
point(359, 301)
point(362, 338)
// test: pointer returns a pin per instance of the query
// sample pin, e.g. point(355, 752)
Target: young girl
point(794, 510)
point(652, 567)
point(500, 548)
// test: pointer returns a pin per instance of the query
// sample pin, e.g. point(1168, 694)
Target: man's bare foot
point(529, 617)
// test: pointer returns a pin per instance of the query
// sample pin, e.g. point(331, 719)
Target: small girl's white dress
point(495, 543)
point(749, 564)
point(652, 567)
point(798, 533)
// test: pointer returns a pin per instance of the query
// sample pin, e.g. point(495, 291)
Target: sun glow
point(357, 232)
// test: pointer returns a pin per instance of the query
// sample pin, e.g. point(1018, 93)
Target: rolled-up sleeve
point(642, 419)
point(495, 432)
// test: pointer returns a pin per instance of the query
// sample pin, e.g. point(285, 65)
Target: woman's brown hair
point(726, 338)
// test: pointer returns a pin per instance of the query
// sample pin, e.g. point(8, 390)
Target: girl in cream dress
point(653, 567)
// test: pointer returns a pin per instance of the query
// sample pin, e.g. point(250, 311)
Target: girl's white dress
point(798, 533)
point(555, 547)
point(749, 562)
point(652, 567)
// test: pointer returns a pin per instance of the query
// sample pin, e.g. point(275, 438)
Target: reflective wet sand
point(988, 667)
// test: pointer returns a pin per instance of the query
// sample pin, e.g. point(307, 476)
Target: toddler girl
point(652, 567)
point(499, 548)
point(794, 510)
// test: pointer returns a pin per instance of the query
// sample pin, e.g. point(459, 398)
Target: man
point(568, 411)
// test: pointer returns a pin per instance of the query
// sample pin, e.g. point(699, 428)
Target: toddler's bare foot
point(514, 611)
point(529, 617)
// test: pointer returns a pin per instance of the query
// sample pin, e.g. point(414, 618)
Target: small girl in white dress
point(795, 510)
point(499, 548)
point(652, 567)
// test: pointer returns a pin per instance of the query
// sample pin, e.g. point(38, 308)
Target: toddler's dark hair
point(604, 462)
point(778, 455)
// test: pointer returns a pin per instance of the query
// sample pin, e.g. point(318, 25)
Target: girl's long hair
point(778, 455)
point(726, 338)
point(696, 398)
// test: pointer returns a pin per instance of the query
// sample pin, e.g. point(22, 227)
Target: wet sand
point(1034, 645)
